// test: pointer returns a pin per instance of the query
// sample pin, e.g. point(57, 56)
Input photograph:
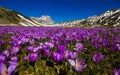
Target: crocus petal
point(3, 58)
point(3, 69)
point(47, 52)
point(57, 57)
point(72, 62)
point(74, 55)
point(33, 57)
point(14, 58)
point(77, 65)
point(83, 64)
point(98, 57)
point(12, 67)
point(15, 49)
point(6, 53)
point(116, 72)
point(26, 58)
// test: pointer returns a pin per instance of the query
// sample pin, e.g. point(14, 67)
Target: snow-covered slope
point(110, 18)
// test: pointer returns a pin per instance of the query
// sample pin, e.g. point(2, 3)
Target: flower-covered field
point(59, 51)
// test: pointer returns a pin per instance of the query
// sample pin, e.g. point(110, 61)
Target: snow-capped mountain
point(43, 19)
point(110, 18)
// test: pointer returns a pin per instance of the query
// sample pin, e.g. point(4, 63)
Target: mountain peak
point(44, 19)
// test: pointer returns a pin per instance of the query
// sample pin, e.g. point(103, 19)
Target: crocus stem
point(66, 66)
point(57, 69)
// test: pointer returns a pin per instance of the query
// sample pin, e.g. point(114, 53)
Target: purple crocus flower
point(12, 67)
point(33, 57)
point(61, 48)
point(24, 39)
point(6, 53)
point(14, 58)
point(114, 48)
point(15, 49)
point(106, 43)
point(32, 42)
point(10, 70)
point(40, 47)
point(98, 46)
point(3, 69)
point(79, 47)
point(30, 48)
point(57, 56)
point(118, 45)
point(36, 49)
point(79, 65)
point(3, 58)
point(26, 58)
point(98, 57)
point(116, 72)
point(67, 54)
point(74, 55)
point(48, 44)
point(47, 52)
point(13, 37)
point(19, 42)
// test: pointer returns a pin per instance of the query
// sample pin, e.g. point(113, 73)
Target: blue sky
point(61, 10)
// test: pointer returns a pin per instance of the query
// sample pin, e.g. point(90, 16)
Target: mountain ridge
point(110, 18)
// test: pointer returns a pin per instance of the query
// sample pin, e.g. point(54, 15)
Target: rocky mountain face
point(47, 20)
point(110, 18)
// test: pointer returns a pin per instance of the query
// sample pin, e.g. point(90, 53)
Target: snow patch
point(23, 24)
point(31, 23)
point(116, 24)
